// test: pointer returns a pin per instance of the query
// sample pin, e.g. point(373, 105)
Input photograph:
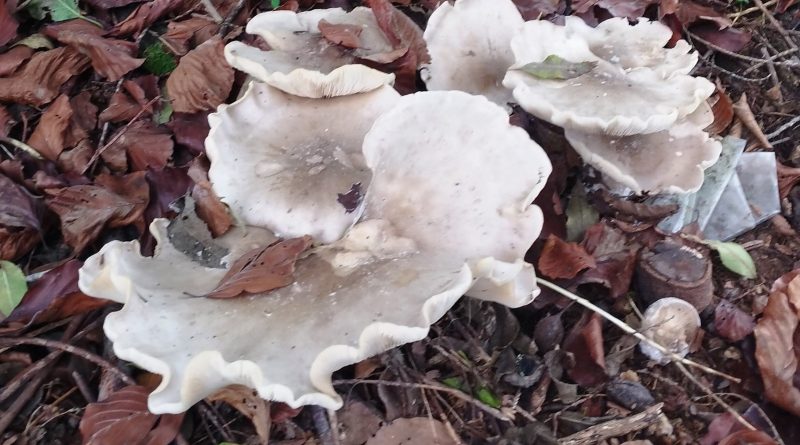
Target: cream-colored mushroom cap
point(302, 62)
point(672, 323)
point(632, 88)
point(669, 161)
point(291, 164)
point(470, 47)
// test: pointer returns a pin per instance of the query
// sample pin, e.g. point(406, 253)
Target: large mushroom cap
point(669, 161)
point(469, 44)
point(631, 88)
point(293, 164)
point(301, 61)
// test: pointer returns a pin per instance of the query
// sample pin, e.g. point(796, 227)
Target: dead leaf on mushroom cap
point(38, 82)
point(340, 34)
point(262, 269)
point(123, 418)
point(202, 80)
point(775, 353)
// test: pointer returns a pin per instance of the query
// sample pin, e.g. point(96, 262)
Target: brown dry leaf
point(6, 121)
point(209, 207)
point(143, 16)
point(723, 113)
point(15, 242)
point(631, 9)
point(585, 342)
point(48, 137)
point(145, 144)
point(412, 431)
point(191, 32)
point(731, 322)
point(344, 35)
point(38, 82)
point(731, 39)
point(262, 269)
point(560, 259)
point(84, 118)
point(357, 422)
point(8, 24)
point(84, 210)
point(77, 159)
point(535, 9)
point(745, 114)
point(111, 58)
point(689, 12)
point(775, 335)
point(788, 177)
point(12, 59)
point(247, 402)
point(129, 101)
point(783, 5)
point(747, 437)
point(17, 207)
point(109, 4)
point(123, 418)
point(190, 130)
point(202, 79)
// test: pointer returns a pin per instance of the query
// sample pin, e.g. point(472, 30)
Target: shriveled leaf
point(585, 342)
point(631, 9)
point(158, 60)
point(358, 422)
point(556, 68)
point(535, 9)
point(247, 402)
point(731, 322)
point(133, 97)
point(788, 177)
point(183, 35)
point(146, 145)
point(560, 259)
point(38, 82)
point(209, 207)
point(12, 286)
point(262, 269)
point(55, 296)
point(344, 35)
point(735, 258)
point(202, 80)
point(111, 58)
point(415, 430)
point(123, 418)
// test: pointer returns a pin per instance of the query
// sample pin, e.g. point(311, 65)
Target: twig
point(226, 24)
point(212, 11)
point(629, 330)
point(716, 398)
point(60, 345)
point(776, 23)
point(454, 392)
point(614, 428)
point(22, 146)
point(736, 55)
point(770, 59)
point(211, 415)
point(80, 382)
point(784, 127)
point(776, 82)
point(736, 15)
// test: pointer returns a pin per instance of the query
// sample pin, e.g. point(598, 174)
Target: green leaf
point(158, 60)
point(12, 286)
point(735, 258)
point(275, 3)
point(165, 113)
point(61, 10)
point(453, 382)
point(554, 67)
point(36, 41)
point(486, 396)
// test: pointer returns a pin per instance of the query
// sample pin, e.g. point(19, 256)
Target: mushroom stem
point(629, 330)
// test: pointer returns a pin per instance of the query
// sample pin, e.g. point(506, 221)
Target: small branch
point(784, 127)
point(226, 24)
point(212, 11)
point(614, 428)
point(22, 146)
point(716, 398)
point(629, 330)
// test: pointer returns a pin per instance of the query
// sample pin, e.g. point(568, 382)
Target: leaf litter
point(138, 89)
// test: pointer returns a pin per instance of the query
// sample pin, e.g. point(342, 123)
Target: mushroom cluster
point(407, 214)
point(627, 104)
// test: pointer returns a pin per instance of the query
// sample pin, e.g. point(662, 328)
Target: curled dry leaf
point(585, 342)
point(209, 207)
point(723, 113)
point(262, 269)
point(145, 144)
point(84, 210)
point(742, 110)
point(111, 58)
point(202, 80)
point(247, 402)
point(560, 259)
point(731, 322)
point(775, 335)
point(123, 418)
point(415, 430)
point(38, 82)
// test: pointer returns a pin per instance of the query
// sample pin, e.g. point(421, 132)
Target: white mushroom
point(470, 47)
point(301, 61)
point(672, 323)
point(448, 212)
point(631, 88)
point(291, 164)
point(669, 161)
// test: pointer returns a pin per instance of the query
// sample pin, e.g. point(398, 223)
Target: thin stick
point(784, 127)
point(82, 353)
point(212, 11)
point(736, 55)
point(454, 392)
point(22, 146)
point(629, 330)
point(716, 398)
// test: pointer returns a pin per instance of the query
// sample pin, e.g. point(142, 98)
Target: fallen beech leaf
point(38, 82)
point(6, 121)
point(110, 58)
point(775, 335)
point(723, 113)
point(415, 430)
point(190, 130)
point(17, 208)
point(48, 137)
point(126, 103)
point(747, 437)
point(689, 12)
point(731, 322)
point(16, 242)
point(8, 24)
point(77, 159)
point(745, 114)
point(535, 9)
point(202, 79)
point(12, 59)
point(12, 286)
point(788, 177)
point(560, 259)
point(731, 39)
point(145, 144)
point(54, 296)
point(193, 31)
point(209, 207)
point(123, 418)
point(84, 210)
point(585, 342)
point(247, 401)
point(79, 26)
point(262, 269)
point(143, 16)
point(344, 35)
